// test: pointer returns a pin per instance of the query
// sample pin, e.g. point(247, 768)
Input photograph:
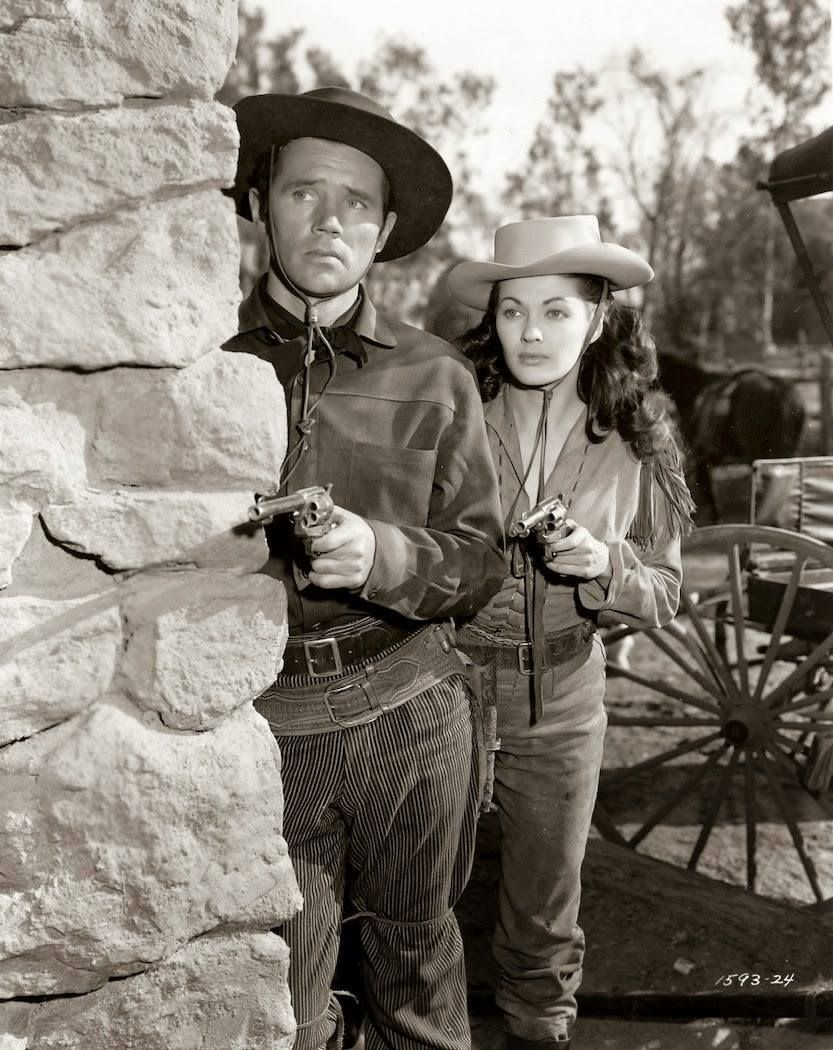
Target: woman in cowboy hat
point(569, 377)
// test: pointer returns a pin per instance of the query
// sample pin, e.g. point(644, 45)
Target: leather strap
point(342, 650)
point(557, 649)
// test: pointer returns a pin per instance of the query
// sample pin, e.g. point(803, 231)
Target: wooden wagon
point(736, 717)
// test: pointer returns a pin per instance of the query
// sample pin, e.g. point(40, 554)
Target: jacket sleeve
point(455, 564)
point(644, 589)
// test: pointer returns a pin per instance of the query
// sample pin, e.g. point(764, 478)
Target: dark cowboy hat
point(420, 183)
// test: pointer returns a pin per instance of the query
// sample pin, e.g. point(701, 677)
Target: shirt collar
point(259, 310)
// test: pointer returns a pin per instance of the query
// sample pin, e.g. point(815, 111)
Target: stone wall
point(141, 860)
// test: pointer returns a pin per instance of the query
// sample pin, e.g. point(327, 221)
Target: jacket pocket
point(390, 484)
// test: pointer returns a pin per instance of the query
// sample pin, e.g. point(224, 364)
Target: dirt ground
point(656, 930)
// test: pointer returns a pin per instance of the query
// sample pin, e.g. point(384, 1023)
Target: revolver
point(546, 522)
point(310, 509)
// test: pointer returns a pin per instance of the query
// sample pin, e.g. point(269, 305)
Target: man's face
point(327, 203)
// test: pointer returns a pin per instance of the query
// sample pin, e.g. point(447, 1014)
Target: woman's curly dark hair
point(617, 377)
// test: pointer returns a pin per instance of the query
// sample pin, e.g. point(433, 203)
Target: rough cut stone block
point(56, 658)
point(66, 52)
point(154, 285)
point(15, 530)
point(44, 569)
point(201, 645)
point(131, 528)
point(42, 452)
point(57, 168)
point(220, 422)
point(219, 992)
point(123, 840)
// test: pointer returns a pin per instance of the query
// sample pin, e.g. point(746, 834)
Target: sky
point(524, 43)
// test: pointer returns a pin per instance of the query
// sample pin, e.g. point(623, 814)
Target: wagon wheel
point(731, 734)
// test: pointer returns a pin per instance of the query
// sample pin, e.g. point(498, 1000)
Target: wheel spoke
point(824, 721)
point(789, 685)
point(605, 824)
point(751, 822)
point(811, 700)
point(718, 795)
point(738, 617)
point(664, 756)
point(716, 661)
point(665, 690)
point(617, 634)
point(783, 613)
point(673, 801)
point(795, 831)
point(677, 631)
point(662, 643)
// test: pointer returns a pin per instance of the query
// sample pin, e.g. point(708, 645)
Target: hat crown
point(526, 242)
point(342, 96)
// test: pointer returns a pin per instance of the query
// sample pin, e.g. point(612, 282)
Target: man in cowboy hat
point(370, 710)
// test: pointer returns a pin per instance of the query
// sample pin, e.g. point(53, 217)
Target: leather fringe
point(667, 517)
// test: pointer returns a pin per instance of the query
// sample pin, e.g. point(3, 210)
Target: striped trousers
point(381, 817)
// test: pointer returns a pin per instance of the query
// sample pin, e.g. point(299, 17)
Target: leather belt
point(557, 649)
point(320, 705)
point(341, 650)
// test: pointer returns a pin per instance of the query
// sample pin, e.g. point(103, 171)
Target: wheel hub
point(744, 726)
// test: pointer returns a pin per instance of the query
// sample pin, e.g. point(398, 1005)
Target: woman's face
point(541, 324)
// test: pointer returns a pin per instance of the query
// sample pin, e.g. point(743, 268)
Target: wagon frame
point(746, 712)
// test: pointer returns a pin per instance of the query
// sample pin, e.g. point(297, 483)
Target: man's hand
point(579, 554)
point(343, 557)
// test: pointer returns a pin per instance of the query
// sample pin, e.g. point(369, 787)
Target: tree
point(790, 40)
point(446, 113)
point(562, 169)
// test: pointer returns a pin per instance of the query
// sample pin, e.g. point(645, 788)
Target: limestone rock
point(56, 658)
point(44, 569)
point(57, 169)
point(15, 530)
point(65, 53)
point(222, 992)
point(154, 285)
point(220, 421)
point(131, 528)
point(43, 452)
point(123, 840)
point(200, 645)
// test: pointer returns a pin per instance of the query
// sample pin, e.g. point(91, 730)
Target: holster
point(482, 682)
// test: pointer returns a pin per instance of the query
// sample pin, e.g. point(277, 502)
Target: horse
point(731, 418)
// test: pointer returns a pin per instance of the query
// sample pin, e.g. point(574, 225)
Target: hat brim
point(472, 282)
point(420, 183)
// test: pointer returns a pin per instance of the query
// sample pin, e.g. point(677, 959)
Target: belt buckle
point(358, 715)
point(525, 658)
point(322, 651)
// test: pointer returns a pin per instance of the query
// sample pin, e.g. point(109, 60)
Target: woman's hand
point(579, 554)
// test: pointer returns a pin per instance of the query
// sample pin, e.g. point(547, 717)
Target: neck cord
point(547, 391)
point(312, 331)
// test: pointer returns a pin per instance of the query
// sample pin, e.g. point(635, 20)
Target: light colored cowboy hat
point(420, 183)
point(566, 244)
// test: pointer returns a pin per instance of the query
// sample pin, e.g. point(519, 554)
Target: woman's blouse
point(600, 484)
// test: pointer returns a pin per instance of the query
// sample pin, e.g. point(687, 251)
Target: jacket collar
point(257, 310)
